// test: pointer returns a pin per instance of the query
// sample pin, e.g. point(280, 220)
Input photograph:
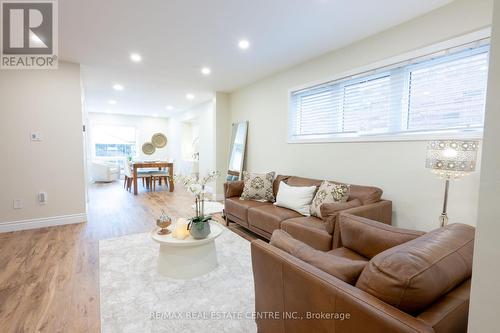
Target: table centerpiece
point(199, 225)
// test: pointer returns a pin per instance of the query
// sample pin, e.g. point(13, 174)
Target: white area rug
point(136, 299)
point(212, 207)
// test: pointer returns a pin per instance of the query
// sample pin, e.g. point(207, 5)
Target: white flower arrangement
point(196, 186)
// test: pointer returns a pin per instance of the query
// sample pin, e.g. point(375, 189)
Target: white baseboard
point(42, 222)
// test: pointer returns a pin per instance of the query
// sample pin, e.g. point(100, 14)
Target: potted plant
point(199, 225)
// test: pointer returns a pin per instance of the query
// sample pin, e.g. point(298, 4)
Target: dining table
point(154, 164)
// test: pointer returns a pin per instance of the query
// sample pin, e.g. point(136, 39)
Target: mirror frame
point(233, 137)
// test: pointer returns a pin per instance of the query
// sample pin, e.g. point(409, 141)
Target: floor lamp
point(449, 160)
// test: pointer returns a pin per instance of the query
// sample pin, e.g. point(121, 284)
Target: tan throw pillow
point(328, 193)
point(347, 270)
point(258, 186)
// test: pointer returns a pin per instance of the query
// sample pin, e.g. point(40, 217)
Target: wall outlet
point(35, 136)
point(42, 198)
point(18, 204)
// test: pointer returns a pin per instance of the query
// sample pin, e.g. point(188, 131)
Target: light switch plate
point(18, 204)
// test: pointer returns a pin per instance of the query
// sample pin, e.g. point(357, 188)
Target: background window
point(430, 95)
point(114, 149)
point(367, 105)
point(448, 93)
point(114, 144)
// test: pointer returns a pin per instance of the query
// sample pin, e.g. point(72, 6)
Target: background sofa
point(263, 217)
point(409, 282)
point(104, 172)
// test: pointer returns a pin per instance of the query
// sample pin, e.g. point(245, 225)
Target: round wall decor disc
point(159, 140)
point(148, 148)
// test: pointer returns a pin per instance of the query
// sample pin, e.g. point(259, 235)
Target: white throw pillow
point(297, 198)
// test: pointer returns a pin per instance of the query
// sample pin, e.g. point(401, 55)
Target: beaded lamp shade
point(451, 159)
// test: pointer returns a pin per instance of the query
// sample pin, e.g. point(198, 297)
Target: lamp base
point(443, 219)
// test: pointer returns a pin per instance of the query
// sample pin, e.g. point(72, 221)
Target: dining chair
point(161, 175)
point(129, 177)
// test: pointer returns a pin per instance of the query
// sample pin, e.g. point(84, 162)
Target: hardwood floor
point(49, 278)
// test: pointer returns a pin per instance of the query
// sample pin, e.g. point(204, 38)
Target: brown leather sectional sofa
point(408, 281)
point(263, 217)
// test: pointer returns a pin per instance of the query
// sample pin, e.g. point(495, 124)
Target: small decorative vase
point(200, 229)
point(163, 222)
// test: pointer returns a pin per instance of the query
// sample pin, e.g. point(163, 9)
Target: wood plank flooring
point(49, 278)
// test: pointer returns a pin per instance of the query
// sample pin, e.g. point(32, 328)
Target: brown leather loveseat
point(381, 279)
point(263, 217)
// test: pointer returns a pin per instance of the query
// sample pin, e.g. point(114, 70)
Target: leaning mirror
point(237, 151)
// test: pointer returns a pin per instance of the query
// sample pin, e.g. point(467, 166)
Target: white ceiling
point(177, 37)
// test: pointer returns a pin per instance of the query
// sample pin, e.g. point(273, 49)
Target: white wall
point(485, 300)
point(49, 102)
point(202, 120)
point(145, 128)
point(211, 120)
point(396, 167)
point(223, 139)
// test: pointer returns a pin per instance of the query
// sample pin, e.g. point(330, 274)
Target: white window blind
point(432, 94)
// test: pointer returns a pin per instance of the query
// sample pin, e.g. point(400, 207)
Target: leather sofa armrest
point(330, 211)
point(233, 189)
point(316, 238)
point(380, 211)
point(285, 282)
point(450, 313)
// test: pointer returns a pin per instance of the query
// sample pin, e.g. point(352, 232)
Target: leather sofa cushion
point(366, 194)
point(345, 269)
point(344, 252)
point(369, 238)
point(300, 181)
point(235, 206)
point(309, 230)
point(413, 275)
point(269, 217)
point(233, 189)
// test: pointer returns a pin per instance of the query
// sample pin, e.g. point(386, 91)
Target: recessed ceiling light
point(189, 96)
point(155, 114)
point(118, 87)
point(206, 71)
point(135, 57)
point(112, 102)
point(243, 44)
point(169, 107)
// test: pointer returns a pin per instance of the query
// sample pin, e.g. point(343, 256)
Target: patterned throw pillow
point(258, 186)
point(327, 193)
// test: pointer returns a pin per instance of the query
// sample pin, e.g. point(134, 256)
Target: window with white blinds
point(437, 94)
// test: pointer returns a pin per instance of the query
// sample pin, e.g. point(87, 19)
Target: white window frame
point(434, 50)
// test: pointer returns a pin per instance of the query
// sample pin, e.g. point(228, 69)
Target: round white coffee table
point(187, 258)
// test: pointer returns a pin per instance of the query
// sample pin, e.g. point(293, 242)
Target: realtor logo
point(29, 34)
